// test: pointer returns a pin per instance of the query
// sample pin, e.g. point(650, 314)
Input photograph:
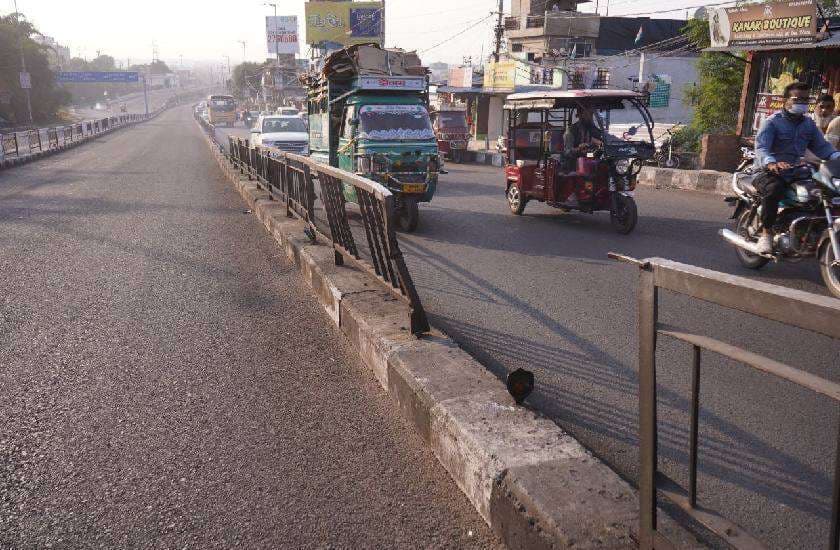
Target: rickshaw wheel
point(408, 216)
point(515, 200)
point(625, 216)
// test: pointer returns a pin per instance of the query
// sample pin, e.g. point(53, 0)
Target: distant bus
point(221, 109)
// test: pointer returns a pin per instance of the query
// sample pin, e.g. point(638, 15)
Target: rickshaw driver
point(585, 134)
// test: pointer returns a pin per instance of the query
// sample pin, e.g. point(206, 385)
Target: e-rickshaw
point(577, 165)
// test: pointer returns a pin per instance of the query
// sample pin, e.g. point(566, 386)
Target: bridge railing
point(27, 142)
point(806, 311)
point(292, 180)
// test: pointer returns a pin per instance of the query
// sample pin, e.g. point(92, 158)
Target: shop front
point(783, 42)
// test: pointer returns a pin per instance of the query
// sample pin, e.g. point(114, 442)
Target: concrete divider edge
point(534, 484)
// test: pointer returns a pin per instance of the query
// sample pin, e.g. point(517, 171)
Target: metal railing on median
point(807, 311)
point(291, 179)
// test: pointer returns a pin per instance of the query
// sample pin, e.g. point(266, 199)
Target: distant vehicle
point(288, 111)
point(450, 124)
point(123, 108)
point(250, 118)
point(281, 133)
point(221, 110)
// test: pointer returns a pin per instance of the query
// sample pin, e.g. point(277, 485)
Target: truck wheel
point(408, 216)
point(515, 199)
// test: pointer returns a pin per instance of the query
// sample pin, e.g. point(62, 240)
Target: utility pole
point(278, 77)
point(382, 18)
point(23, 64)
point(500, 29)
point(243, 49)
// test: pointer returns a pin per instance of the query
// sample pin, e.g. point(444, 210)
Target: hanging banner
point(343, 23)
point(774, 23)
point(282, 34)
point(460, 77)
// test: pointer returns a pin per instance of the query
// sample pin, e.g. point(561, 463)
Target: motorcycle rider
point(780, 144)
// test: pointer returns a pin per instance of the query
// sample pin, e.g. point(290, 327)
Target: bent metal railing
point(807, 311)
point(291, 179)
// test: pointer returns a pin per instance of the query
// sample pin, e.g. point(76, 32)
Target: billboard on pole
point(97, 76)
point(343, 23)
point(282, 34)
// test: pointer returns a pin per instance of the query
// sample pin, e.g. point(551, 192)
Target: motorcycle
point(665, 157)
point(808, 224)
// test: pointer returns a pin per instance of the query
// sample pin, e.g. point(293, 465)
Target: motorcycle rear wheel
point(748, 260)
point(830, 274)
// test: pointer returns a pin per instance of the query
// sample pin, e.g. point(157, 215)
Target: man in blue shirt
point(779, 146)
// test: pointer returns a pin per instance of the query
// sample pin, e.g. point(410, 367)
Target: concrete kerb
point(533, 483)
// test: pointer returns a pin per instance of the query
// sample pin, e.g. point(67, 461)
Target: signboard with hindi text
point(282, 34)
point(500, 76)
point(343, 23)
point(773, 23)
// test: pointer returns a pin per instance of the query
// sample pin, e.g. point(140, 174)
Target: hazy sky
point(211, 29)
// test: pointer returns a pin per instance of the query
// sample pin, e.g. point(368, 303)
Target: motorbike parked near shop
point(808, 224)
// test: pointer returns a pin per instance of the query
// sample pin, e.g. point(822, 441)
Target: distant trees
point(717, 95)
point(46, 96)
point(247, 79)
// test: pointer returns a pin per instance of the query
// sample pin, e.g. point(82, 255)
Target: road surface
point(538, 292)
point(169, 382)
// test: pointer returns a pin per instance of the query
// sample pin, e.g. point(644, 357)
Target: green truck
point(368, 114)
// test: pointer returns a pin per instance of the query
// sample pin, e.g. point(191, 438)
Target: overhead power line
point(459, 33)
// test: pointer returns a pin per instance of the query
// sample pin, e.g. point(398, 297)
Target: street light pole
point(23, 63)
point(276, 51)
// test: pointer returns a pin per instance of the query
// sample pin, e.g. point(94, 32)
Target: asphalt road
point(538, 292)
point(169, 382)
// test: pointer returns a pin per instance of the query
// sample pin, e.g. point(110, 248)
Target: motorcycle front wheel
point(830, 273)
point(747, 259)
point(625, 216)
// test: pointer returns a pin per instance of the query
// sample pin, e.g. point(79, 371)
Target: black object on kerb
point(520, 384)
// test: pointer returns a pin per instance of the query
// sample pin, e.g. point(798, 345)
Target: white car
point(281, 132)
point(287, 111)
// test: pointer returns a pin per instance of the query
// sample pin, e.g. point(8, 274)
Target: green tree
point(159, 67)
point(717, 95)
point(45, 96)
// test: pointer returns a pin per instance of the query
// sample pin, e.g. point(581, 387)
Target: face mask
point(798, 109)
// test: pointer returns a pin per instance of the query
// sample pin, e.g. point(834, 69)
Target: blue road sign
point(97, 76)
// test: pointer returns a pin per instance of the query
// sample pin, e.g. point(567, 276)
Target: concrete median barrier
point(532, 482)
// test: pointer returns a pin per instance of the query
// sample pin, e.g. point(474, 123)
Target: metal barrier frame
point(290, 178)
point(796, 308)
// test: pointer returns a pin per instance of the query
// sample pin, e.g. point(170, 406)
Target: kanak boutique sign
point(773, 23)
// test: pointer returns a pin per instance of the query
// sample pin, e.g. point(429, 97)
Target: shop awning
point(831, 42)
